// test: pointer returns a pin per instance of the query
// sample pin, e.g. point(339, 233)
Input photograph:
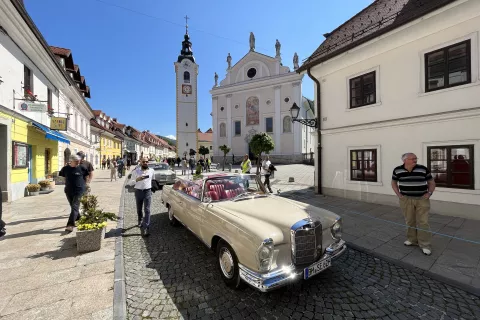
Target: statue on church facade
point(252, 41)
point(229, 61)
point(277, 48)
point(216, 79)
point(295, 61)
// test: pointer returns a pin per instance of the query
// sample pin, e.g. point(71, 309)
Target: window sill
point(364, 107)
point(424, 94)
point(453, 190)
point(368, 183)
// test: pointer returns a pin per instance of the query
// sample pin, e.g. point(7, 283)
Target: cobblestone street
point(172, 275)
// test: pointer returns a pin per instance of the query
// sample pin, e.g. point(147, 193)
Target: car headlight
point(265, 255)
point(336, 230)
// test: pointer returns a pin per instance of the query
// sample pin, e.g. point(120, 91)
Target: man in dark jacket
point(75, 185)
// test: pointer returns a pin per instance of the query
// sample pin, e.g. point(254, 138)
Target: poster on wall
point(253, 111)
point(57, 123)
point(20, 155)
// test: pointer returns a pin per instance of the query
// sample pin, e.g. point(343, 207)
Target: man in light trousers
point(414, 185)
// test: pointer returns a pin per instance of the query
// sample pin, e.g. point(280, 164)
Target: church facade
point(256, 96)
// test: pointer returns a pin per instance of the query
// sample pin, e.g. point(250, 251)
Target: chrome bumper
point(284, 275)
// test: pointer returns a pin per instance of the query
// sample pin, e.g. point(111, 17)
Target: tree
point(203, 151)
point(225, 149)
point(261, 142)
point(192, 152)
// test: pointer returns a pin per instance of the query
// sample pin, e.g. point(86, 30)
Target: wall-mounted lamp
point(294, 111)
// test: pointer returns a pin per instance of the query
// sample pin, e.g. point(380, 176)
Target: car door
point(179, 204)
point(193, 208)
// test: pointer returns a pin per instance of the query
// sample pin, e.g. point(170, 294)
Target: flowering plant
point(29, 95)
point(92, 226)
point(93, 218)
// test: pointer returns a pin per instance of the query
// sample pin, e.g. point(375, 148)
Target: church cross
point(186, 24)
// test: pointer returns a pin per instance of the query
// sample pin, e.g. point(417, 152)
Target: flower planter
point(34, 193)
point(89, 240)
point(44, 188)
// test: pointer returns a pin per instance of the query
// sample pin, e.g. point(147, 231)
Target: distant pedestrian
point(414, 185)
point(266, 170)
point(113, 171)
point(246, 164)
point(129, 163)
point(142, 178)
point(104, 164)
point(191, 163)
point(184, 166)
point(75, 185)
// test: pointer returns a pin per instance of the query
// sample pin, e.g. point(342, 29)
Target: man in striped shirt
point(414, 185)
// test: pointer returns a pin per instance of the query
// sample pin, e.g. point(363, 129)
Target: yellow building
point(107, 139)
point(110, 146)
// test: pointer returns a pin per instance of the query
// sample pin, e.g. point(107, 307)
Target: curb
point(119, 293)
point(460, 285)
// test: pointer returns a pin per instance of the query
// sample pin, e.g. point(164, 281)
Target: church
point(256, 96)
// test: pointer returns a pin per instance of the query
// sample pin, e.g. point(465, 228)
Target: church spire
point(186, 52)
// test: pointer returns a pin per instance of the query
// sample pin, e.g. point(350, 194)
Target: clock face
point(186, 64)
point(186, 89)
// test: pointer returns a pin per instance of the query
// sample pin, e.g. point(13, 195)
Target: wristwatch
point(430, 193)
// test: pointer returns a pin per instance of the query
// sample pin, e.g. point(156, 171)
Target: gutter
point(319, 137)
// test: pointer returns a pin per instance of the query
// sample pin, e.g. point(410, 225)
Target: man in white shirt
point(265, 169)
point(142, 178)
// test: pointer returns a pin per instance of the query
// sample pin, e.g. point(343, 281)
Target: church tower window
point(186, 77)
point(223, 130)
point(287, 124)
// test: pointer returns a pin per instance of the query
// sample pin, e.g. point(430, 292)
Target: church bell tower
point(186, 71)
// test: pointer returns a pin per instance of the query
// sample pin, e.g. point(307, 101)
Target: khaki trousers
point(415, 211)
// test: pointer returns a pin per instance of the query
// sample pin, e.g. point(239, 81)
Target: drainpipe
point(319, 136)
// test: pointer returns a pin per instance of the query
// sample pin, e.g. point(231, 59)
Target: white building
point(186, 73)
point(405, 79)
point(256, 96)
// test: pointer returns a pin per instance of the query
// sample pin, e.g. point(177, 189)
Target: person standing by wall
point(246, 164)
point(414, 185)
point(75, 185)
point(142, 178)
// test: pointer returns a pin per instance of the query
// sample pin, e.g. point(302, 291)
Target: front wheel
point(228, 265)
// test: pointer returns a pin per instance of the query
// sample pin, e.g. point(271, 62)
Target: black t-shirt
point(74, 179)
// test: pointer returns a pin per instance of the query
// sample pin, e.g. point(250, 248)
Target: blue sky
point(127, 54)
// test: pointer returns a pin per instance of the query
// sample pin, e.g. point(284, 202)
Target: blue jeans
point(143, 199)
point(74, 201)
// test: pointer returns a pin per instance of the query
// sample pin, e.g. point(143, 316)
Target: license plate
point(317, 267)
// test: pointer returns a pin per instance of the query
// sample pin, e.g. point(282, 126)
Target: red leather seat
point(217, 187)
point(213, 195)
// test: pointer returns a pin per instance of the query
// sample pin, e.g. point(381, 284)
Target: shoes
point(3, 232)
point(408, 243)
point(146, 233)
point(139, 223)
point(426, 251)
point(69, 229)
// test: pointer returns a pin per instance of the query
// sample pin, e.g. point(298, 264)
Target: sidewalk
point(380, 230)
point(42, 275)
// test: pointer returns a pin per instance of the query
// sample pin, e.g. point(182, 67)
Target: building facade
point(205, 139)
point(110, 141)
point(186, 73)
point(256, 96)
point(412, 86)
point(30, 83)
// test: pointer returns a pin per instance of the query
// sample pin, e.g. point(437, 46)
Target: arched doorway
point(66, 156)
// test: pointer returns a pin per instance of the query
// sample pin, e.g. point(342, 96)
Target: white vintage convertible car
point(263, 240)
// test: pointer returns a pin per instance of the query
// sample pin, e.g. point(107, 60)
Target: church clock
point(186, 89)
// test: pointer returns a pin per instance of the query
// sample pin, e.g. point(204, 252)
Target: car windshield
point(158, 166)
point(236, 187)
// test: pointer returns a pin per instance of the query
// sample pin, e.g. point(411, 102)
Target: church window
point(238, 128)
point(251, 72)
point(287, 124)
point(269, 125)
point(186, 77)
point(223, 130)
point(222, 108)
point(287, 99)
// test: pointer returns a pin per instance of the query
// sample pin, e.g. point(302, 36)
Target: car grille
point(306, 242)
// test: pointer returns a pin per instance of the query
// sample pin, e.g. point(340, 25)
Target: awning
point(51, 134)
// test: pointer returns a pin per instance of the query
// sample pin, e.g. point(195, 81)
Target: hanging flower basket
point(29, 95)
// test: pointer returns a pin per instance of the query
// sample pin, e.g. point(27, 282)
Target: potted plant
point(33, 189)
point(91, 226)
point(44, 185)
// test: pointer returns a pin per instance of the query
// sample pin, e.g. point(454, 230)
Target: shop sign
point(19, 155)
point(57, 123)
point(33, 107)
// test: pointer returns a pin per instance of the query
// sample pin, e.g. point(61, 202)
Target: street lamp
point(295, 110)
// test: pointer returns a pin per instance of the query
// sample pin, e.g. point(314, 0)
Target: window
point(448, 67)
point(452, 166)
point(362, 90)
point(186, 77)
point(223, 130)
point(238, 129)
point(49, 99)
point(76, 122)
point(27, 80)
point(251, 72)
point(211, 148)
point(363, 165)
point(269, 125)
point(287, 124)
point(81, 127)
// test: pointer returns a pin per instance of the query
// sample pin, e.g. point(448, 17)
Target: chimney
point(115, 119)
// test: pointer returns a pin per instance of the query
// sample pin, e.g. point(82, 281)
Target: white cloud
point(171, 136)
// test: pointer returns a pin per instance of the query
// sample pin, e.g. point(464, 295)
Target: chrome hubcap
point(226, 263)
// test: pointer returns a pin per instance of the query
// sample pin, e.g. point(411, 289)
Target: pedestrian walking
point(104, 164)
point(113, 171)
point(266, 171)
point(87, 165)
point(129, 163)
point(142, 178)
point(414, 185)
point(191, 163)
point(184, 166)
point(246, 164)
point(75, 185)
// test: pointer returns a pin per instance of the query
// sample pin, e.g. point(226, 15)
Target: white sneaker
point(408, 243)
point(427, 251)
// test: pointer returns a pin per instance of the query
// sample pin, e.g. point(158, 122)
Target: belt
point(143, 189)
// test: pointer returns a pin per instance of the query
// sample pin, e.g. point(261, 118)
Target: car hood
point(273, 216)
point(164, 172)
